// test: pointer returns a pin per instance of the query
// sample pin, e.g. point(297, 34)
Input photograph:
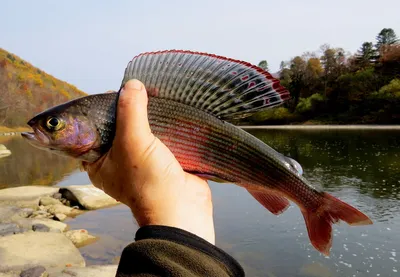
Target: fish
point(195, 98)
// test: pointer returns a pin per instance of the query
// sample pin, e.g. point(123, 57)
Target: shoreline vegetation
point(328, 87)
point(5, 130)
point(322, 127)
point(333, 86)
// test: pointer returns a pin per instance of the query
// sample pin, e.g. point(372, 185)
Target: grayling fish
point(192, 98)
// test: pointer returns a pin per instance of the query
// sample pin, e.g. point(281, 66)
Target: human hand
point(141, 172)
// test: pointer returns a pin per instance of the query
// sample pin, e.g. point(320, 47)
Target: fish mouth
point(36, 138)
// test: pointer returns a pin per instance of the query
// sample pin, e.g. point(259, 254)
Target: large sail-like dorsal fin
point(227, 88)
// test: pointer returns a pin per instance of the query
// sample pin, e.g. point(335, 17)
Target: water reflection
point(30, 166)
point(360, 167)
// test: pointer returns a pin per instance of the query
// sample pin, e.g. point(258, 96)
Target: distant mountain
point(26, 90)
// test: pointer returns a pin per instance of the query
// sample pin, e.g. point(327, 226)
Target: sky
point(89, 43)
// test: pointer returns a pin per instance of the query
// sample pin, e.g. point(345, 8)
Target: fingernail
point(134, 84)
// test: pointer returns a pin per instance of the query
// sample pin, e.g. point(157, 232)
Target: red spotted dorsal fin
point(227, 88)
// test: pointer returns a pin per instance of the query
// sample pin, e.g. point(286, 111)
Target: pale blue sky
point(88, 43)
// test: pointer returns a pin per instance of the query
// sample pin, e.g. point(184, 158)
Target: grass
point(4, 129)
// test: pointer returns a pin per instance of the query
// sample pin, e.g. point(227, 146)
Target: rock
point(57, 195)
point(26, 196)
point(46, 249)
point(4, 152)
point(40, 228)
point(9, 229)
point(88, 196)
point(89, 271)
point(80, 237)
point(37, 271)
point(60, 217)
point(10, 274)
point(47, 201)
point(54, 226)
point(61, 209)
point(10, 214)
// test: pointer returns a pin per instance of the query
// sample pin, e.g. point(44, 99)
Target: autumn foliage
point(26, 90)
point(333, 86)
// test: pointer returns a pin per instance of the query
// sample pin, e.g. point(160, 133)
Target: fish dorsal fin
point(227, 88)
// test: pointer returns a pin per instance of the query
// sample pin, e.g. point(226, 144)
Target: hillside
point(26, 90)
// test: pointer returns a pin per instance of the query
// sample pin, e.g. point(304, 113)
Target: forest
point(327, 86)
point(26, 90)
point(332, 86)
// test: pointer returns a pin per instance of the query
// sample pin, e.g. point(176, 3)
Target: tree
point(386, 36)
point(263, 64)
point(366, 55)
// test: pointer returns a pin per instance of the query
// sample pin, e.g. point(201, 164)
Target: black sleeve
point(168, 251)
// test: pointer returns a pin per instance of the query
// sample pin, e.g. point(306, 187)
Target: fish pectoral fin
point(275, 203)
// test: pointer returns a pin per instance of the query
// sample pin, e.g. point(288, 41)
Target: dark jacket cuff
point(189, 240)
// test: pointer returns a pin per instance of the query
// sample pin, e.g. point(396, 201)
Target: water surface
point(360, 167)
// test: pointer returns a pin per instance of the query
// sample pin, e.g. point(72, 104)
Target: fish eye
point(53, 123)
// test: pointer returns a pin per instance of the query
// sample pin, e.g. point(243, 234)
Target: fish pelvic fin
point(319, 222)
point(273, 202)
point(227, 88)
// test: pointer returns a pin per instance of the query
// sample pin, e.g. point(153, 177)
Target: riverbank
point(4, 129)
point(324, 127)
point(34, 215)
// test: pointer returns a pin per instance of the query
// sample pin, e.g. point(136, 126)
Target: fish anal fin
point(319, 222)
point(273, 202)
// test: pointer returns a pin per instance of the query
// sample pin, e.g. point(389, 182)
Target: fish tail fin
point(319, 221)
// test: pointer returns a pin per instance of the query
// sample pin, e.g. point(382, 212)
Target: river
point(361, 167)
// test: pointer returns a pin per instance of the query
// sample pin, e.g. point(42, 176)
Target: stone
point(88, 196)
point(61, 209)
point(80, 237)
point(10, 213)
point(25, 196)
point(57, 195)
point(47, 201)
point(9, 229)
point(60, 217)
point(10, 274)
point(53, 225)
point(89, 271)
point(36, 248)
point(37, 271)
point(40, 228)
point(4, 152)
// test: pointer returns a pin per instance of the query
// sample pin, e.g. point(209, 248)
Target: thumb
point(132, 121)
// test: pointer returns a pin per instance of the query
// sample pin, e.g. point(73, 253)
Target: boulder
point(60, 217)
point(88, 196)
point(9, 229)
point(10, 213)
point(89, 271)
point(37, 271)
point(61, 209)
point(10, 274)
point(40, 228)
point(25, 196)
point(28, 223)
point(23, 251)
point(80, 237)
point(47, 201)
point(4, 152)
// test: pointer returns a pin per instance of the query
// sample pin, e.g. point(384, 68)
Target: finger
point(132, 120)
